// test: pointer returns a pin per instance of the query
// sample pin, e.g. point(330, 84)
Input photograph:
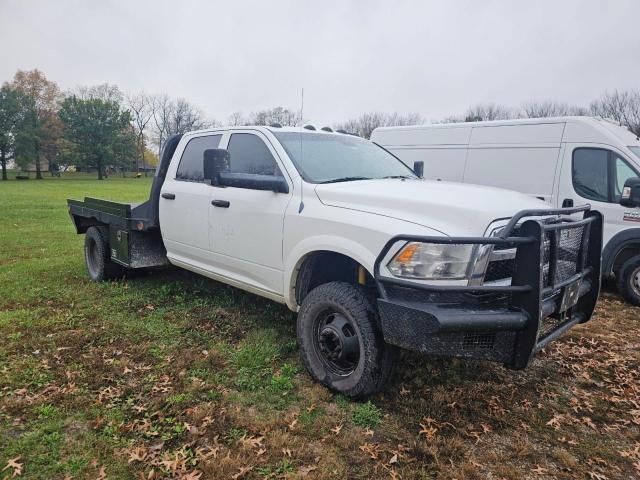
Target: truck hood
point(454, 209)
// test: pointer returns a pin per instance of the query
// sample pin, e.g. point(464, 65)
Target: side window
point(190, 167)
point(623, 172)
point(590, 173)
point(249, 154)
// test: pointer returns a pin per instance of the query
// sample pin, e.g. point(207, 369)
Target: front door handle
point(169, 196)
point(220, 203)
point(567, 203)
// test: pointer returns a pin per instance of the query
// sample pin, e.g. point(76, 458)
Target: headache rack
point(543, 278)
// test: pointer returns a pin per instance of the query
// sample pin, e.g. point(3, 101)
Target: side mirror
point(631, 193)
point(215, 162)
point(253, 181)
point(418, 168)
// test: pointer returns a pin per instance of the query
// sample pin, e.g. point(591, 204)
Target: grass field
point(168, 375)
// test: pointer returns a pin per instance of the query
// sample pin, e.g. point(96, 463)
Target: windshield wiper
point(345, 179)
point(398, 176)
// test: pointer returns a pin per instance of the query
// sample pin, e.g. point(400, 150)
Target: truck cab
point(370, 256)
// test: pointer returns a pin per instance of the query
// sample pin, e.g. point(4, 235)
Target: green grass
point(367, 415)
point(169, 366)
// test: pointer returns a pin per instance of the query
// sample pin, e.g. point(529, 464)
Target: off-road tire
point(376, 358)
point(97, 257)
point(628, 280)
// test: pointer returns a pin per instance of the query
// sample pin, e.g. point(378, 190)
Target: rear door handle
point(169, 196)
point(567, 203)
point(220, 203)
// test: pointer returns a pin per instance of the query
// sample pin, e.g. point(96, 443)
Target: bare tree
point(281, 115)
point(623, 107)
point(550, 109)
point(366, 123)
point(186, 117)
point(161, 114)
point(236, 119)
point(104, 92)
point(171, 117)
point(141, 111)
point(488, 111)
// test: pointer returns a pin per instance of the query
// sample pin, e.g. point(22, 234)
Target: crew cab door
point(595, 174)
point(184, 204)
point(247, 224)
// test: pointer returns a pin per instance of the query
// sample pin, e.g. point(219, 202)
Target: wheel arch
point(622, 246)
point(83, 224)
point(323, 248)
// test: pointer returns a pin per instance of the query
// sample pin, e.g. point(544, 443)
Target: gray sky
point(431, 57)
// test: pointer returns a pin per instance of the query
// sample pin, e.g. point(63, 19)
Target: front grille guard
point(534, 290)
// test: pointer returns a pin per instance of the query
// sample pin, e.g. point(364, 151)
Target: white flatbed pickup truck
point(370, 256)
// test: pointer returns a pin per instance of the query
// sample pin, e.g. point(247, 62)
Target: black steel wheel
point(336, 342)
point(96, 256)
point(340, 340)
point(628, 280)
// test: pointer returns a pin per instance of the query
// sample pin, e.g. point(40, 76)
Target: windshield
point(324, 158)
point(635, 149)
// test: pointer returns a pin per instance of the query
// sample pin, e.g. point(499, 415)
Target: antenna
point(302, 105)
point(301, 207)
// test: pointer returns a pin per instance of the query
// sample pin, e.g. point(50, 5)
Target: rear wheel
point(628, 280)
point(340, 340)
point(96, 256)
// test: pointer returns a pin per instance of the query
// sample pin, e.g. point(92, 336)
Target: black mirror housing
point(418, 168)
point(254, 181)
point(631, 193)
point(215, 162)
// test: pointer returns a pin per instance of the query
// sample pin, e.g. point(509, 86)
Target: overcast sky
point(431, 57)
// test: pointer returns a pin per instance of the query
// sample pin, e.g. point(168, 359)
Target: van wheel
point(340, 340)
point(629, 280)
point(96, 256)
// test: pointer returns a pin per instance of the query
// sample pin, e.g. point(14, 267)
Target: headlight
point(432, 261)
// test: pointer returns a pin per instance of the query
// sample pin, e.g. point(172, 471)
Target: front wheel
point(628, 280)
point(340, 340)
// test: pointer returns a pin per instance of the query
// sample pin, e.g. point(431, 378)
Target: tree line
point(96, 128)
point(621, 106)
point(100, 128)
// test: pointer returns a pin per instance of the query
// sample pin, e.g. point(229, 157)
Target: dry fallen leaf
point(15, 465)
point(138, 454)
point(539, 470)
point(102, 474)
point(243, 471)
point(337, 429)
point(304, 471)
point(194, 475)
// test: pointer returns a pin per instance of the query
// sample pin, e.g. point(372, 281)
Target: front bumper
point(555, 282)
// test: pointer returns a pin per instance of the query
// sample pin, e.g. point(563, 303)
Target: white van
point(565, 161)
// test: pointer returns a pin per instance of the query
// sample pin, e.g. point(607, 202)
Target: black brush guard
point(555, 282)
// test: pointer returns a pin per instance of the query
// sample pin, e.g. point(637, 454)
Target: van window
point(623, 172)
point(600, 174)
point(249, 154)
point(590, 173)
point(190, 167)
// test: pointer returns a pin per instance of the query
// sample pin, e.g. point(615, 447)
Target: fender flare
point(615, 245)
point(322, 243)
